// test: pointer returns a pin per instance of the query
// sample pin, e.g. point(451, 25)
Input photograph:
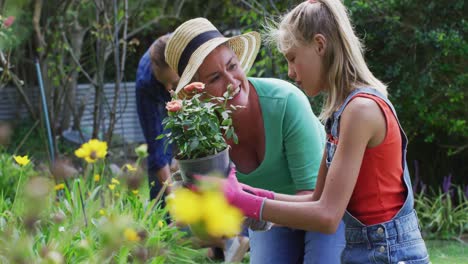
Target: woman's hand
point(250, 204)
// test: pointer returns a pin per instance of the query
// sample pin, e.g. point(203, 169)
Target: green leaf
point(194, 144)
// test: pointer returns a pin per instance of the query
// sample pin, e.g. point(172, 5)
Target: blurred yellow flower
point(97, 177)
point(117, 194)
point(22, 160)
point(130, 167)
point(59, 187)
point(111, 186)
point(102, 212)
point(135, 192)
point(92, 150)
point(185, 206)
point(208, 209)
point(131, 235)
point(115, 181)
point(221, 219)
point(160, 224)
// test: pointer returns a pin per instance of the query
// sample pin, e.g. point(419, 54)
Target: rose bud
point(195, 87)
point(174, 106)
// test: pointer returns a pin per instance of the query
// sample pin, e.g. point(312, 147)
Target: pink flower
point(9, 21)
point(195, 87)
point(174, 106)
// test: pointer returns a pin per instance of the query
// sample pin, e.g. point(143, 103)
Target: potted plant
point(199, 125)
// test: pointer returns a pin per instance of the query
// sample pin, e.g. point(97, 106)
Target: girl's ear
point(320, 43)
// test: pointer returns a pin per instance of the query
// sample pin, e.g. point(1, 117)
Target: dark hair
point(157, 52)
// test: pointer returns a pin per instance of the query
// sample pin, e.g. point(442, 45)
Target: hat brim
point(245, 46)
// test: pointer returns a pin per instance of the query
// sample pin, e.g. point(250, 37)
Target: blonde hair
point(343, 62)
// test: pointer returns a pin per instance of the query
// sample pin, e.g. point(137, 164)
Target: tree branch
point(77, 62)
point(36, 19)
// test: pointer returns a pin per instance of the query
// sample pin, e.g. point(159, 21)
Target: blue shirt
point(151, 99)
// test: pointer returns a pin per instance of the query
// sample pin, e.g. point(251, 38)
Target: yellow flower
point(97, 177)
point(135, 192)
point(131, 235)
point(115, 181)
point(111, 186)
point(130, 167)
point(221, 219)
point(59, 186)
point(160, 224)
point(92, 150)
point(102, 212)
point(185, 206)
point(22, 160)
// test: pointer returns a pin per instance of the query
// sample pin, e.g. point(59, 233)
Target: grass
point(446, 251)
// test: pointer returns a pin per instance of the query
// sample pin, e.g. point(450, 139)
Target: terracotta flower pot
point(218, 163)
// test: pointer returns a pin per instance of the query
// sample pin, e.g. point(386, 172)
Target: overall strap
point(333, 129)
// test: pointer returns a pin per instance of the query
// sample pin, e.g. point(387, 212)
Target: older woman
point(280, 138)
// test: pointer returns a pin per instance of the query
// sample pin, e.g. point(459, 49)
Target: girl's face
point(221, 68)
point(305, 67)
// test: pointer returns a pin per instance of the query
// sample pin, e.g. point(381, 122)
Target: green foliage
point(441, 216)
point(419, 48)
point(12, 175)
point(86, 221)
point(422, 56)
point(198, 128)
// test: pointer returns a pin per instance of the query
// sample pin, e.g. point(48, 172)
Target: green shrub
point(86, 219)
point(442, 216)
point(10, 176)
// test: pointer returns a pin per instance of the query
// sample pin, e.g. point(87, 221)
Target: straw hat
point(195, 39)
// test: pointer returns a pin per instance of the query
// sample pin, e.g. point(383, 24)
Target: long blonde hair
point(343, 62)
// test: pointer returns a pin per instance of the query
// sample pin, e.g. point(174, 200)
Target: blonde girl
point(363, 177)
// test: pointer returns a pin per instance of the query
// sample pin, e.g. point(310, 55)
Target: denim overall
point(396, 241)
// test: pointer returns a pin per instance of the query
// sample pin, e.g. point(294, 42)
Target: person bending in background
point(154, 83)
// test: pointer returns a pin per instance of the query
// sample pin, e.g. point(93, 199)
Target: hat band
point(193, 45)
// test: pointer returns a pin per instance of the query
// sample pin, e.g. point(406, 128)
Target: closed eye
point(215, 78)
point(232, 66)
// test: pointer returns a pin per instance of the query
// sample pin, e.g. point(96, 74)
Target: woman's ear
point(320, 43)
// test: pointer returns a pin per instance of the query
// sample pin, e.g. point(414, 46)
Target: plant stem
point(17, 188)
point(155, 201)
point(82, 204)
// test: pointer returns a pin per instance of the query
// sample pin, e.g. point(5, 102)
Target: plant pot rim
point(202, 158)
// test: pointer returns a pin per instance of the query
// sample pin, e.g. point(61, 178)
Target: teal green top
point(294, 139)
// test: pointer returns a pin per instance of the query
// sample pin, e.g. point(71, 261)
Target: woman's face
point(221, 68)
point(305, 68)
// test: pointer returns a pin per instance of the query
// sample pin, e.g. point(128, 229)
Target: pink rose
point(174, 106)
point(195, 87)
point(9, 21)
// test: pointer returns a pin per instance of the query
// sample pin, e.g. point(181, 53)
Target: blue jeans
point(283, 245)
point(396, 241)
point(322, 248)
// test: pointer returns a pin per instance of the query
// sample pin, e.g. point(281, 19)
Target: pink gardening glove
point(258, 192)
point(249, 204)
